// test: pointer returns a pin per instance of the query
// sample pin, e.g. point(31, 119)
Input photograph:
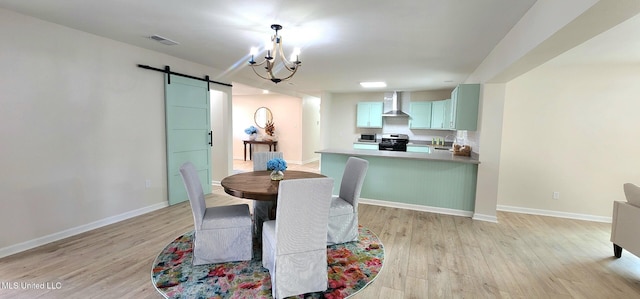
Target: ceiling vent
point(163, 40)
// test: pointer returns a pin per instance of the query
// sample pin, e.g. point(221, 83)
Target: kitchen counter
point(414, 142)
point(367, 142)
point(436, 181)
point(438, 155)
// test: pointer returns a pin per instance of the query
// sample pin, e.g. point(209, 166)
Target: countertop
point(447, 144)
point(438, 155)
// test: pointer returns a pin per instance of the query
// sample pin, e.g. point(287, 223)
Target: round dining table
point(257, 185)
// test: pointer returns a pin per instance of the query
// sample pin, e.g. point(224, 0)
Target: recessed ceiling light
point(265, 91)
point(373, 84)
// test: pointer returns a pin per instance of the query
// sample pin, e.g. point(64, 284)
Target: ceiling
point(617, 45)
point(412, 45)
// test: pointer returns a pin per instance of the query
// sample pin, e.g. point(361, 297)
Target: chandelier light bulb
point(268, 44)
point(253, 52)
point(295, 54)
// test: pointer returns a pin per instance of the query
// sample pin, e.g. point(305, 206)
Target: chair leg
point(617, 251)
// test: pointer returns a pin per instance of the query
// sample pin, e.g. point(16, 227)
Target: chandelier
point(290, 65)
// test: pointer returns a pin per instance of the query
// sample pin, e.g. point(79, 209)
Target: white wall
point(326, 109)
point(341, 125)
point(221, 126)
point(287, 119)
point(311, 139)
point(571, 129)
point(529, 44)
point(297, 122)
point(492, 97)
point(81, 129)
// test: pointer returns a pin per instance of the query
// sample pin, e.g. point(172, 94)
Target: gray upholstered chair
point(625, 222)
point(294, 248)
point(261, 209)
point(343, 215)
point(260, 159)
point(223, 233)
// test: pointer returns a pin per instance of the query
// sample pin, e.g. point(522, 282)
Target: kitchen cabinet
point(465, 99)
point(447, 115)
point(367, 146)
point(417, 149)
point(441, 115)
point(369, 115)
point(415, 179)
point(420, 115)
point(437, 115)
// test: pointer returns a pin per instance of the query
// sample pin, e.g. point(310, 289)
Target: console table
point(273, 143)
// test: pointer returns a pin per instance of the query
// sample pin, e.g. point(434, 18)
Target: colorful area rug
point(352, 266)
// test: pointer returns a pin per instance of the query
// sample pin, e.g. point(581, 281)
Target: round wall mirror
point(262, 116)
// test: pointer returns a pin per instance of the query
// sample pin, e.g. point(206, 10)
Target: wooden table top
point(257, 185)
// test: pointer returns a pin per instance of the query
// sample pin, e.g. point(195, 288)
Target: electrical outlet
point(556, 195)
point(147, 183)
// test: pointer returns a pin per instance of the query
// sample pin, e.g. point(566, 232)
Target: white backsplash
point(400, 125)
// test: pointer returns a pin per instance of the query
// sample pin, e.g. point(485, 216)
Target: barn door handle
point(211, 138)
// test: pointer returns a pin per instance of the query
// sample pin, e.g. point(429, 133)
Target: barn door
point(188, 125)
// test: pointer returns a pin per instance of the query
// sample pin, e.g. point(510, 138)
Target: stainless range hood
point(392, 105)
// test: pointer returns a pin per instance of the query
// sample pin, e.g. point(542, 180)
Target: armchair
point(625, 222)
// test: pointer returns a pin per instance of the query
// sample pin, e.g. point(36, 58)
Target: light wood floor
point(426, 256)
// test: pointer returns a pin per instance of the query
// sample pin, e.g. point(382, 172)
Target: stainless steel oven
point(394, 142)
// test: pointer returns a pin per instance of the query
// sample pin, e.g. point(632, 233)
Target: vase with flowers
point(252, 132)
point(269, 130)
point(277, 167)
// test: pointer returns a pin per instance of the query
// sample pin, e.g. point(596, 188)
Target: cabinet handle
point(211, 138)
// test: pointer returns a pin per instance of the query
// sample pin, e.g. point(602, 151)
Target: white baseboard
point(13, 249)
point(416, 207)
point(482, 217)
point(554, 214)
point(310, 160)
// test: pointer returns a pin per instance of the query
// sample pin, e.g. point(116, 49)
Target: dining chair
point(260, 159)
point(294, 248)
point(222, 233)
point(261, 208)
point(343, 214)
